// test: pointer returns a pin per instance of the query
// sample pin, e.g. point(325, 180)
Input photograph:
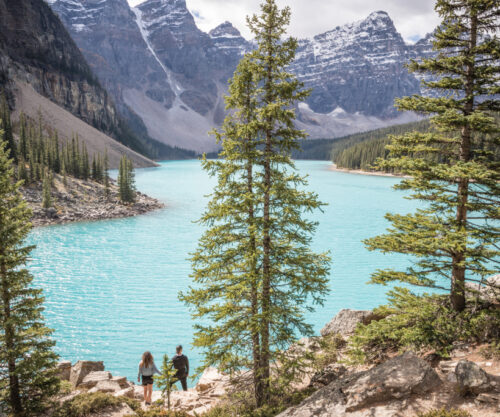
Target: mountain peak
point(378, 19)
point(224, 29)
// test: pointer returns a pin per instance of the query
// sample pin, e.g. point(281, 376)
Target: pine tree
point(126, 182)
point(254, 272)
point(6, 126)
point(27, 374)
point(454, 236)
point(166, 379)
point(131, 190)
point(46, 190)
point(106, 173)
point(23, 140)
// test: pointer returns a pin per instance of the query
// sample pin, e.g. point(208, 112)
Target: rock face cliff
point(37, 52)
point(358, 67)
point(36, 48)
point(157, 62)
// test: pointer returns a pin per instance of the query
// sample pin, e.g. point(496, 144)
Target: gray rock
point(396, 380)
point(471, 378)
point(106, 386)
point(64, 370)
point(122, 381)
point(126, 392)
point(488, 291)
point(345, 322)
point(82, 368)
point(327, 375)
point(490, 398)
point(93, 378)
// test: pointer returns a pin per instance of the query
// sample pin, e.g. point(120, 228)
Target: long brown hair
point(147, 359)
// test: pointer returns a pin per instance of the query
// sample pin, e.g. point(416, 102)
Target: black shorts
point(147, 380)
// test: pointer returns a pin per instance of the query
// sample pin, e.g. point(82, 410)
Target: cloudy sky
point(413, 18)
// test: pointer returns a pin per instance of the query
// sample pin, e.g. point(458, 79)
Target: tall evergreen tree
point(106, 173)
point(455, 236)
point(27, 374)
point(46, 190)
point(254, 272)
point(126, 182)
point(6, 126)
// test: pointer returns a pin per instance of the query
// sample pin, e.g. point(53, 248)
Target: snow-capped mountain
point(161, 67)
point(358, 67)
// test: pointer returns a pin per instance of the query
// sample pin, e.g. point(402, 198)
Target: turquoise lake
point(111, 286)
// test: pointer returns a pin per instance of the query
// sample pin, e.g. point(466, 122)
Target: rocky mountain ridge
point(155, 60)
point(44, 72)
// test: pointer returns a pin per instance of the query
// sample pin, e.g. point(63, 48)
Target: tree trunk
point(266, 272)
point(14, 392)
point(257, 379)
point(457, 295)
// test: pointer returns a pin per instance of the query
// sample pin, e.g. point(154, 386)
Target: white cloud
point(412, 18)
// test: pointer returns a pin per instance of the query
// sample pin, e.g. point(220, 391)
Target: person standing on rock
point(147, 369)
point(181, 364)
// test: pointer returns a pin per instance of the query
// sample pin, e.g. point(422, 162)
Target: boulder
point(122, 380)
point(447, 366)
point(210, 378)
point(397, 378)
point(488, 291)
point(327, 375)
point(121, 411)
point(125, 392)
point(471, 378)
point(185, 400)
point(93, 378)
point(64, 370)
point(106, 386)
point(82, 368)
point(345, 322)
point(490, 398)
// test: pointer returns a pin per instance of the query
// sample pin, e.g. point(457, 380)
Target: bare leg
point(150, 392)
point(145, 387)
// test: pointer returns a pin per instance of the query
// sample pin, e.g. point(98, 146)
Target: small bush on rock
point(417, 322)
point(85, 404)
point(158, 412)
point(330, 345)
point(445, 413)
point(65, 388)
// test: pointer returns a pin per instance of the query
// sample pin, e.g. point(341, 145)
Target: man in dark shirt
point(181, 364)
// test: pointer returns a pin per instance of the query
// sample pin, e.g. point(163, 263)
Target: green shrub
point(65, 387)
point(416, 322)
point(330, 348)
point(158, 412)
point(84, 404)
point(242, 405)
point(445, 413)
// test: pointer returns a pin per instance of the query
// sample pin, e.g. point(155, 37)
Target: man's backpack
point(179, 362)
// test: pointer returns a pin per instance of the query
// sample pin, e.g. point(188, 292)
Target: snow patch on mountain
point(145, 35)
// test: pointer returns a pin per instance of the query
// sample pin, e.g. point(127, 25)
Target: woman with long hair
point(147, 369)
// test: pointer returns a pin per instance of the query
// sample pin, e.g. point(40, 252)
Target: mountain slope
point(155, 60)
point(36, 49)
point(358, 67)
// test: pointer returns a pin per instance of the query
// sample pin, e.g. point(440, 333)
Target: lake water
point(111, 286)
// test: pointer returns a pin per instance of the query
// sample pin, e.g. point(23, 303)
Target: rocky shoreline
point(333, 167)
point(77, 200)
point(402, 386)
